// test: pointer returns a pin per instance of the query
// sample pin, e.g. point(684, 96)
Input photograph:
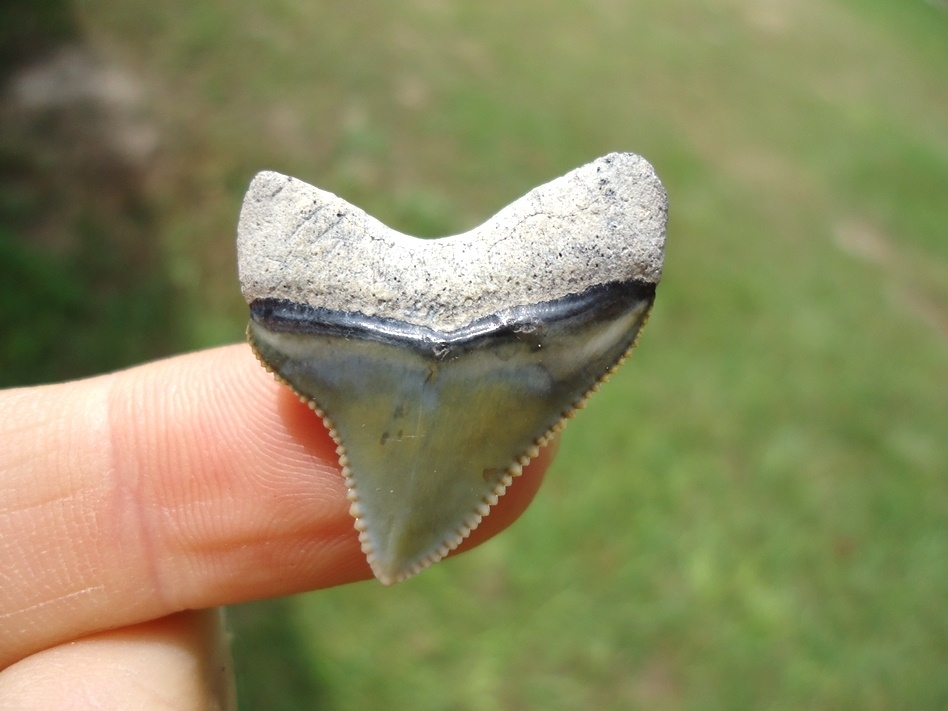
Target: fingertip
point(181, 661)
point(203, 482)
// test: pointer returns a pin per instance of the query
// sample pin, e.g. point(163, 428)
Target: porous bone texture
point(601, 223)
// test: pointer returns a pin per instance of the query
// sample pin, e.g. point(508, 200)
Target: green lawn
point(754, 513)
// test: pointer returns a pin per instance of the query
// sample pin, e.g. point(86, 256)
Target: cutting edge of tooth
point(515, 469)
point(473, 519)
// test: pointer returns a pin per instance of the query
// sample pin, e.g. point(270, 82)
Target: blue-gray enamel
point(432, 420)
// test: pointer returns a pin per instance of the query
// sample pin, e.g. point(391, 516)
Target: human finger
point(177, 662)
point(183, 484)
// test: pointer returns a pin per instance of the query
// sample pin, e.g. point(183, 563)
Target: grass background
point(754, 513)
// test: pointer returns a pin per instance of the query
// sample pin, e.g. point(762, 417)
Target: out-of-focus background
point(754, 513)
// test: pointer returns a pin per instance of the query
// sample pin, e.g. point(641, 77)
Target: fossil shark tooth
point(440, 366)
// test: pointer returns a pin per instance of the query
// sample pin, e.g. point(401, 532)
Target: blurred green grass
point(754, 513)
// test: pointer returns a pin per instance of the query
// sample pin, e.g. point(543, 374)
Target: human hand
point(132, 503)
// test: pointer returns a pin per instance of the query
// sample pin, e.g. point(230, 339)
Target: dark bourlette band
point(596, 304)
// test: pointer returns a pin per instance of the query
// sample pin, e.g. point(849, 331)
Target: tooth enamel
point(441, 366)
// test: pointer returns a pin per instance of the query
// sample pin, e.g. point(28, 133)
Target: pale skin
point(133, 504)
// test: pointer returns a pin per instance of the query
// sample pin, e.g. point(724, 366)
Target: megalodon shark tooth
point(441, 366)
